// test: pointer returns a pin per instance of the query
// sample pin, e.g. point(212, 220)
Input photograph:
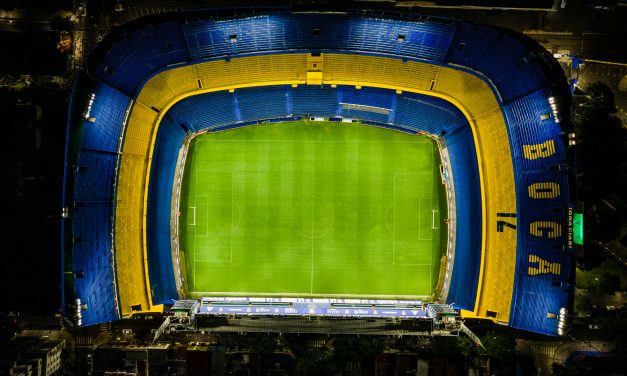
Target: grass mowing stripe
point(315, 203)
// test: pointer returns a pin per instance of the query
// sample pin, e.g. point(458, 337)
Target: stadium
point(339, 166)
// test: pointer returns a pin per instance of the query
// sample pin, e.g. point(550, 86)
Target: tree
point(609, 283)
point(583, 303)
point(593, 255)
point(347, 349)
point(369, 347)
point(604, 279)
point(499, 347)
point(261, 343)
point(602, 152)
point(615, 328)
point(445, 347)
point(314, 363)
point(467, 347)
point(609, 223)
point(586, 279)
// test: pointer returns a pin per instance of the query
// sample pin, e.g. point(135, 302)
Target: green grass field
point(311, 209)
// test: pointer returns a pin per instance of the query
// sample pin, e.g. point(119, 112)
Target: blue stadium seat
point(155, 47)
point(521, 77)
point(161, 45)
point(314, 101)
point(539, 209)
point(207, 38)
point(466, 266)
point(547, 134)
point(365, 115)
point(533, 302)
point(205, 111)
point(373, 97)
point(169, 140)
point(109, 110)
point(428, 41)
point(94, 178)
point(91, 231)
point(528, 109)
point(416, 112)
point(367, 104)
point(317, 32)
point(123, 67)
point(92, 262)
point(427, 114)
point(521, 81)
point(262, 102)
point(470, 44)
point(502, 58)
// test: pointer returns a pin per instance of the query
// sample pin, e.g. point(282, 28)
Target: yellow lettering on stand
point(547, 189)
point(545, 229)
point(544, 267)
point(543, 150)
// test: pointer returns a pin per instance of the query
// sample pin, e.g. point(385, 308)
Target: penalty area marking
point(419, 210)
point(194, 216)
point(434, 223)
point(422, 230)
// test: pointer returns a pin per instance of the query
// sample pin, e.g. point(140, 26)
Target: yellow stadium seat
point(471, 94)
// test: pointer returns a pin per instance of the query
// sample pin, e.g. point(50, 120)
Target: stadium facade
point(497, 103)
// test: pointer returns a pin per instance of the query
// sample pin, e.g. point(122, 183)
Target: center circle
point(389, 218)
point(313, 217)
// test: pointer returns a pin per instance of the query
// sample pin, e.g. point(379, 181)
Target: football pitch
point(311, 209)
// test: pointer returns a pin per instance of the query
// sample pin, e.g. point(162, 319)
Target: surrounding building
point(33, 356)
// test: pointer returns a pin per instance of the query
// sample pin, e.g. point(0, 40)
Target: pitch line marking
point(203, 232)
point(324, 205)
point(300, 295)
point(420, 228)
point(192, 256)
point(431, 250)
point(311, 278)
point(325, 141)
point(433, 221)
point(312, 207)
point(394, 221)
point(412, 264)
point(194, 211)
point(433, 184)
point(231, 227)
point(431, 233)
